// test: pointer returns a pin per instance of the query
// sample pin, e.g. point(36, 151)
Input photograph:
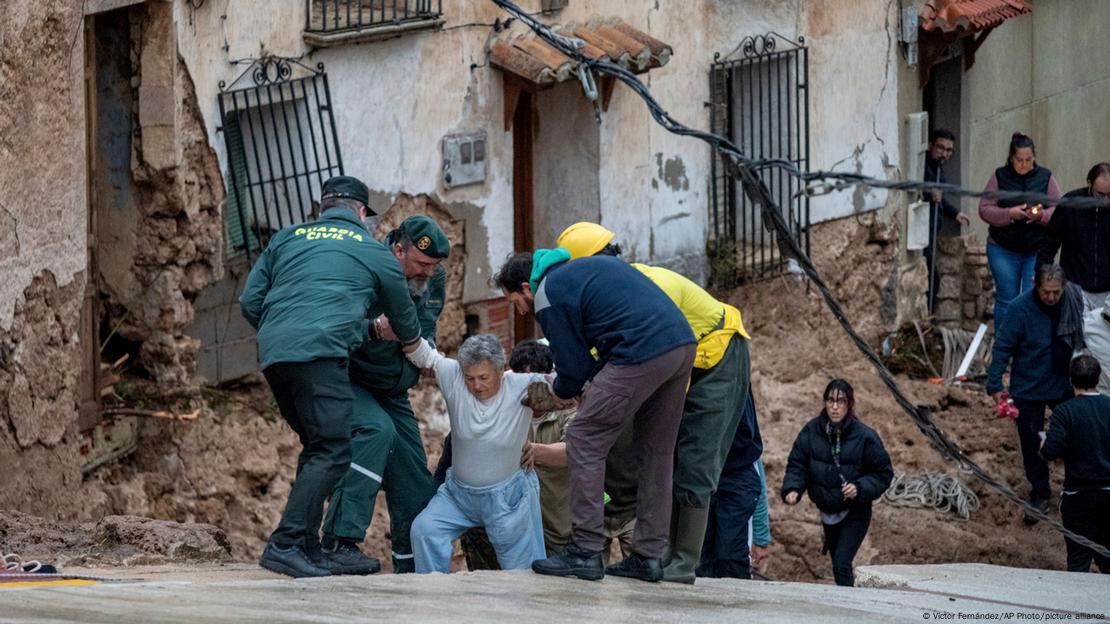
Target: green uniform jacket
point(310, 292)
point(379, 365)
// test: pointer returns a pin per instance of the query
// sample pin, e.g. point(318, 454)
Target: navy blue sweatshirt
point(601, 302)
point(1079, 433)
point(1040, 357)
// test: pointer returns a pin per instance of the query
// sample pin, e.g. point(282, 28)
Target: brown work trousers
point(653, 393)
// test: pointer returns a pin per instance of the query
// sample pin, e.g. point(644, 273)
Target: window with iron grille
point(334, 22)
point(281, 147)
point(760, 101)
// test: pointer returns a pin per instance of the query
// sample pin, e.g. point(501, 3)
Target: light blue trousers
point(509, 511)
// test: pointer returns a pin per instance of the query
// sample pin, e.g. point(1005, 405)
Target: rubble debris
point(114, 540)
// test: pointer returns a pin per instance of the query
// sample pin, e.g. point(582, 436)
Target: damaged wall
point(175, 209)
point(42, 246)
point(158, 201)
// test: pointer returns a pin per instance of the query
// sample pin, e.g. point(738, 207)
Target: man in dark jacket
point(308, 296)
point(1029, 337)
point(1079, 433)
point(726, 552)
point(941, 144)
point(387, 451)
point(1082, 235)
point(645, 351)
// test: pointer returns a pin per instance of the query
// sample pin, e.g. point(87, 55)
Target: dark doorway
point(524, 210)
point(942, 100)
point(109, 109)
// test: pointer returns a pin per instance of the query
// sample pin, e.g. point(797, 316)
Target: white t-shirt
point(486, 436)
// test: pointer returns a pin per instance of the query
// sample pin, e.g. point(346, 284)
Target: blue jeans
point(1013, 275)
point(509, 511)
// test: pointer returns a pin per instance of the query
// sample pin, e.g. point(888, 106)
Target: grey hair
point(482, 348)
point(1049, 273)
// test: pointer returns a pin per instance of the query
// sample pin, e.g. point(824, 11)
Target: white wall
point(396, 99)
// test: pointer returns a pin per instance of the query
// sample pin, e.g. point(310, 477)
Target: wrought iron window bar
point(760, 99)
point(282, 145)
point(347, 17)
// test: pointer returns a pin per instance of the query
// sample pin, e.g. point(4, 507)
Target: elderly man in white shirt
point(485, 485)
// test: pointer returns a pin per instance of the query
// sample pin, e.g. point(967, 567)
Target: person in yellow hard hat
point(714, 402)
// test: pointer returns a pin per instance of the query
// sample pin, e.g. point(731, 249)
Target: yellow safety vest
point(712, 346)
point(713, 322)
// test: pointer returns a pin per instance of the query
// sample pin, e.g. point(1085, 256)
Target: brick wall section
point(965, 296)
point(493, 316)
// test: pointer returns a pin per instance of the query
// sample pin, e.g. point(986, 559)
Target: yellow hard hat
point(584, 239)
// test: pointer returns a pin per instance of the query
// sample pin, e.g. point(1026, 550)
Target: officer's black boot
point(290, 561)
point(573, 561)
point(343, 557)
point(635, 566)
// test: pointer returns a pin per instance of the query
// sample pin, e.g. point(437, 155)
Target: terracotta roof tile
point(970, 15)
point(530, 58)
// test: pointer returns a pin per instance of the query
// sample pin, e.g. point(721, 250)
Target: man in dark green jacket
point(308, 295)
point(387, 451)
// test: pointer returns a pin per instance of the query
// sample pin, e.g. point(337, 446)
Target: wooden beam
point(512, 91)
point(606, 88)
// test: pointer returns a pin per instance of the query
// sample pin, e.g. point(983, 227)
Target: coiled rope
point(937, 490)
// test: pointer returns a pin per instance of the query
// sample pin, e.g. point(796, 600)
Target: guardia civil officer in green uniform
point(386, 449)
point(310, 295)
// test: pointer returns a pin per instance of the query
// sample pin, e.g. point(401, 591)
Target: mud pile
point(114, 540)
point(798, 347)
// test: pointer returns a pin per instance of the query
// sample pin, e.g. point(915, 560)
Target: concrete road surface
point(243, 593)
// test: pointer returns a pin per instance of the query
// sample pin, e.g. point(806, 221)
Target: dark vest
point(1020, 236)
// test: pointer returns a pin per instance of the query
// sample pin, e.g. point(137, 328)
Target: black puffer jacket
point(863, 462)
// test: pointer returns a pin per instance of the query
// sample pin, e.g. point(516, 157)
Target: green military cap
point(427, 236)
point(347, 187)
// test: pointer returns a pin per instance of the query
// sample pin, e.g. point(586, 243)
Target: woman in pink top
point(1017, 229)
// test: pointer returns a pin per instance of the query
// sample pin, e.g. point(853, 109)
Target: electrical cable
point(744, 170)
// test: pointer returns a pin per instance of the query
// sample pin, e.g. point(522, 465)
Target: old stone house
point(148, 148)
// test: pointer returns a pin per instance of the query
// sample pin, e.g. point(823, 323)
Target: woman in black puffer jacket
point(843, 466)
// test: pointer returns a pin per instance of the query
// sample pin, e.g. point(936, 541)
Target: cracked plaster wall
point(44, 224)
point(42, 219)
point(42, 245)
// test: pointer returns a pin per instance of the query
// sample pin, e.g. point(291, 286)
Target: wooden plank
point(606, 88)
point(511, 91)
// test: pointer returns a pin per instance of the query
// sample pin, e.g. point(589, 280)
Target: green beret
point(346, 187)
point(427, 236)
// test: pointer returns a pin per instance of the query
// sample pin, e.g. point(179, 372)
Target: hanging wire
point(745, 171)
